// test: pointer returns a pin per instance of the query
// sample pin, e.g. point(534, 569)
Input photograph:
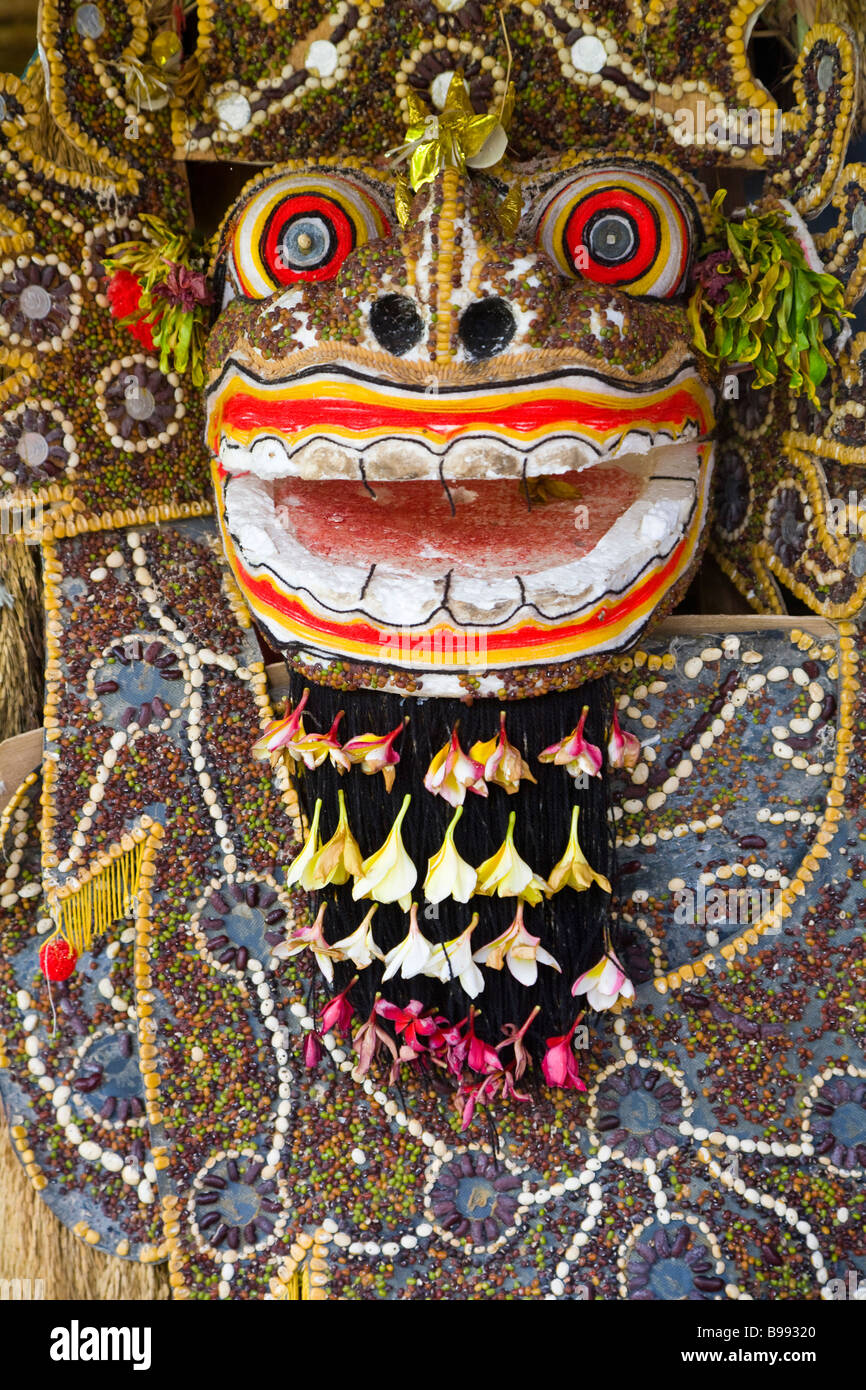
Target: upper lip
point(277, 428)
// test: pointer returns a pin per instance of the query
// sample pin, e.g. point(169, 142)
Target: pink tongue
point(410, 525)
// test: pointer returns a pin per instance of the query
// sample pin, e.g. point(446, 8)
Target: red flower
point(416, 1027)
point(338, 1013)
point(312, 1050)
point(124, 294)
point(473, 1052)
point(560, 1064)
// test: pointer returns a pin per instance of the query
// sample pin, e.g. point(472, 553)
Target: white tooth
point(400, 460)
point(268, 458)
point(256, 543)
point(321, 459)
point(233, 456)
point(565, 454)
point(400, 601)
point(482, 457)
point(475, 600)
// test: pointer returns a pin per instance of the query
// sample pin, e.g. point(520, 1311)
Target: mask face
point(453, 450)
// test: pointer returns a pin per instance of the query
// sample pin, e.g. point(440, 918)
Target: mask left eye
point(619, 228)
point(302, 227)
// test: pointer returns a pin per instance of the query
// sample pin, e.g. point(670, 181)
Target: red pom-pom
point(57, 960)
point(124, 293)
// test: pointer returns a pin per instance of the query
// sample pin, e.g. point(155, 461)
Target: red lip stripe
point(289, 416)
point(531, 636)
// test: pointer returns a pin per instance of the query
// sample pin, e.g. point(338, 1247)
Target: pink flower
point(559, 1063)
point(502, 762)
point(338, 1012)
point(623, 750)
point(375, 753)
point(605, 984)
point(312, 1050)
point(452, 772)
point(574, 752)
point(281, 733)
point(471, 1093)
point(514, 1038)
point(312, 938)
point(369, 1038)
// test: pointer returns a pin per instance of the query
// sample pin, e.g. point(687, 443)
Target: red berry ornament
point(57, 960)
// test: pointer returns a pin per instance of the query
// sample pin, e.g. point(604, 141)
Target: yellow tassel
point(103, 895)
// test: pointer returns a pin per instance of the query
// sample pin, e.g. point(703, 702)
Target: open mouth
point(548, 515)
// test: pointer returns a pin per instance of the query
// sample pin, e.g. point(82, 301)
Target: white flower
point(360, 948)
point(412, 954)
point(452, 960)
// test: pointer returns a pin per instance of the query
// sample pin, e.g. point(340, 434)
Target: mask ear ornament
point(761, 299)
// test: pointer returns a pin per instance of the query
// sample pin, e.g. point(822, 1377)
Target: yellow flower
point(389, 875)
point(340, 857)
point(509, 876)
point(573, 870)
point(447, 874)
point(303, 866)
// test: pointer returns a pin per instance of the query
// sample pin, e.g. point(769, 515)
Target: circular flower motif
point(141, 682)
point(471, 1199)
point(673, 1262)
point(36, 444)
point(788, 525)
point(39, 302)
point(239, 921)
point(107, 1079)
point(140, 405)
point(237, 1205)
point(431, 75)
point(733, 493)
point(835, 1121)
point(637, 1110)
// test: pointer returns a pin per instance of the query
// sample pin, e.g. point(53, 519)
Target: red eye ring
point(631, 208)
point(313, 211)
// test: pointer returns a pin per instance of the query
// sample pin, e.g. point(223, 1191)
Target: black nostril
point(396, 323)
point(487, 327)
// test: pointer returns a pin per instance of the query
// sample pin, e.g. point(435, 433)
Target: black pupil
point(611, 237)
point(396, 323)
point(307, 242)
